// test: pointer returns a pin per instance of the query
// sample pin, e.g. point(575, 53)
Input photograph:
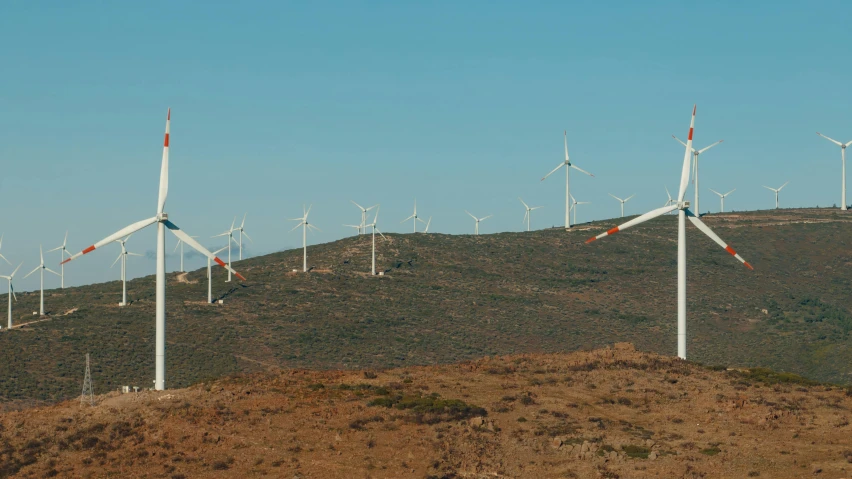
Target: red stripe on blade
point(591, 239)
point(239, 276)
point(219, 262)
point(166, 143)
point(612, 231)
point(748, 265)
point(67, 260)
point(730, 250)
point(89, 249)
point(690, 134)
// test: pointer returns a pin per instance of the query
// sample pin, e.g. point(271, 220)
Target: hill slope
point(451, 298)
point(608, 413)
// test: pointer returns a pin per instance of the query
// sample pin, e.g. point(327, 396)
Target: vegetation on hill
point(447, 298)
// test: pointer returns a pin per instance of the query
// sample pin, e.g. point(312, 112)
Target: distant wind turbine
point(476, 228)
point(842, 170)
point(622, 201)
point(568, 165)
point(305, 225)
point(230, 235)
point(180, 245)
point(527, 214)
point(62, 252)
point(363, 228)
point(574, 204)
point(11, 292)
point(695, 153)
point(722, 197)
point(122, 256)
point(375, 230)
point(242, 231)
point(670, 201)
point(682, 207)
point(42, 268)
point(776, 192)
point(414, 217)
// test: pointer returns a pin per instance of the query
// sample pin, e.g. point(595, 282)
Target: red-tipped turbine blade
point(706, 230)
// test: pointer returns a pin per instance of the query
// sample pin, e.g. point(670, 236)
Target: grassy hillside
point(607, 413)
point(450, 298)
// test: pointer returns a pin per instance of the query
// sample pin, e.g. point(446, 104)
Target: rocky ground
point(608, 413)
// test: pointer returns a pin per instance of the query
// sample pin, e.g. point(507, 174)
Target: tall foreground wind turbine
point(62, 252)
point(179, 245)
point(122, 256)
point(683, 212)
point(305, 225)
point(574, 204)
point(162, 222)
point(722, 197)
point(776, 190)
point(375, 230)
point(476, 228)
point(11, 293)
point(363, 228)
point(622, 201)
point(842, 169)
point(42, 268)
point(695, 154)
point(242, 231)
point(414, 217)
point(230, 235)
point(568, 165)
point(527, 214)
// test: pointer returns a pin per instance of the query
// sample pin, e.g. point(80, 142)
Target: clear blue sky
point(461, 104)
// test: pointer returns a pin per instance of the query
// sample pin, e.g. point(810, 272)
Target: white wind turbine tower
point(776, 190)
point(375, 230)
point(242, 231)
point(476, 228)
point(574, 204)
point(527, 214)
point(210, 275)
point(842, 170)
point(695, 153)
point(414, 217)
point(41, 267)
point(722, 197)
point(568, 165)
point(122, 256)
point(230, 235)
point(622, 201)
point(62, 252)
point(363, 228)
point(305, 225)
point(11, 292)
point(683, 212)
point(162, 222)
point(179, 245)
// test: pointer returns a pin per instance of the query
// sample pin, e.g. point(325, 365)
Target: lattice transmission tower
point(88, 389)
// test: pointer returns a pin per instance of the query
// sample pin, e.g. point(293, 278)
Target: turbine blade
point(565, 138)
point(164, 168)
point(474, 217)
point(227, 233)
point(403, 221)
point(118, 234)
point(427, 225)
point(116, 260)
point(33, 271)
point(768, 188)
point(629, 197)
point(581, 170)
point(684, 173)
point(135, 254)
point(679, 141)
point(247, 236)
point(380, 233)
point(295, 227)
point(41, 253)
point(65, 241)
point(619, 199)
point(483, 219)
point(177, 245)
point(420, 219)
point(6, 260)
point(728, 193)
point(830, 139)
point(197, 246)
point(536, 207)
point(635, 221)
point(708, 147)
point(16, 270)
point(526, 213)
point(714, 191)
point(553, 171)
point(782, 186)
point(359, 206)
point(312, 227)
point(244, 220)
point(667, 191)
point(706, 230)
point(220, 250)
point(522, 202)
point(54, 249)
point(50, 270)
point(309, 211)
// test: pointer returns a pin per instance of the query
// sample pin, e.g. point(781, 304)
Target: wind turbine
point(162, 222)
point(722, 197)
point(363, 228)
point(242, 231)
point(11, 292)
point(305, 225)
point(683, 212)
point(695, 153)
point(123, 257)
point(375, 229)
point(179, 245)
point(568, 165)
point(622, 201)
point(414, 217)
point(210, 275)
point(476, 228)
point(41, 267)
point(230, 235)
point(842, 171)
point(527, 214)
point(574, 204)
point(62, 252)
point(776, 192)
